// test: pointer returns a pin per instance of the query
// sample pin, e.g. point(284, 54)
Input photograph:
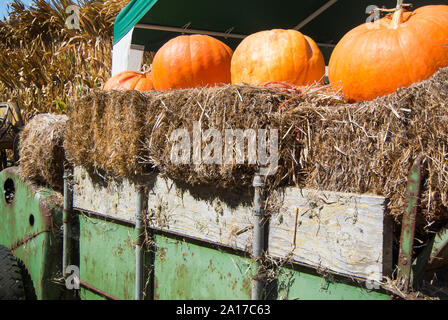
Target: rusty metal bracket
point(408, 225)
point(97, 291)
point(25, 240)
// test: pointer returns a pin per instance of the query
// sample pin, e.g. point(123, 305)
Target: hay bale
point(324, 143)
point(106, 133)
point(127, 133)
point(369, 147)
point(41, 150)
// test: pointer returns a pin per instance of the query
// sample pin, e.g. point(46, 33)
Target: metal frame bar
point(139, 229)
point(97, 291)
point(315, 14)
point(408, 225)
point(89, 213)
point(259, 244)
point(67, 219)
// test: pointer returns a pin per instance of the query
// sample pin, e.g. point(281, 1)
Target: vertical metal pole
point(408, 225)
point(139, 229)
point(259, 236)
point(67, 219)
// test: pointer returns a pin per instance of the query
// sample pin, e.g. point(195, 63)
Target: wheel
point(11, 283)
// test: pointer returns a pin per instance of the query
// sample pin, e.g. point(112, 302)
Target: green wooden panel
point(305, 285)
point(86, 294)
point(184, 270)
point(30, 227)
point(180, 269)
point(188, 271)
point(107, 257)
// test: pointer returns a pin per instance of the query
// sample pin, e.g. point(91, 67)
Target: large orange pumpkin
point(377, 58)
point(191, 61)
point(277, 55)
point(130, 80)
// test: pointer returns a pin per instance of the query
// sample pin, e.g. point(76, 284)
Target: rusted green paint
point(107, 257)
point(180, 269)
point(184, 270)
point(29, 226)
point(303, 284)
point(88, 295)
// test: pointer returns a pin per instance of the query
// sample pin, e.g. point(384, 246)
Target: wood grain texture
point(341, 232)
point(114, 198)
point(169, 208)
point(209, 219)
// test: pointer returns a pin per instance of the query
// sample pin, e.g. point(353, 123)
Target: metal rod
point(97, 291)
point(315, 14)
point(259, 237)
point(67, 219)
point(139, 229)
point(89, 213)
point(408, 225)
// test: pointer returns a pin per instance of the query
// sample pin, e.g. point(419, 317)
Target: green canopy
point(326, 21)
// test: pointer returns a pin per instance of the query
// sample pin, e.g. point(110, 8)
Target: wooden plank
point(341, 232)
point(114, 198)
point(208, 218)
point(169, 208)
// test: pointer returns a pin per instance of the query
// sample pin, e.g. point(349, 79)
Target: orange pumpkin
point(377, 58)
point(190, 61)
point(130, 80)
point(277, 55)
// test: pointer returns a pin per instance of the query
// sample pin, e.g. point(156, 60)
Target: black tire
point(11, 283)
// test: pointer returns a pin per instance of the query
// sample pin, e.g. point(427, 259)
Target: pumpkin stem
point(396, 19)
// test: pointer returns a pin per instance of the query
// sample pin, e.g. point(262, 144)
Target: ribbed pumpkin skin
point(130, 80)
point(191, 61)
point(277, 55)
point(374, 61)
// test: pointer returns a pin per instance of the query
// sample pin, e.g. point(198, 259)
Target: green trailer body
point(30, 226)
point(187, 269)
point(196, 261)
point(176, 266)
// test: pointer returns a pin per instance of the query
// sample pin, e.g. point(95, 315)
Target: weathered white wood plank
point(114, 198)
point(208, 219)
point(344, 233)
point(169, 209)
point(341, 232)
